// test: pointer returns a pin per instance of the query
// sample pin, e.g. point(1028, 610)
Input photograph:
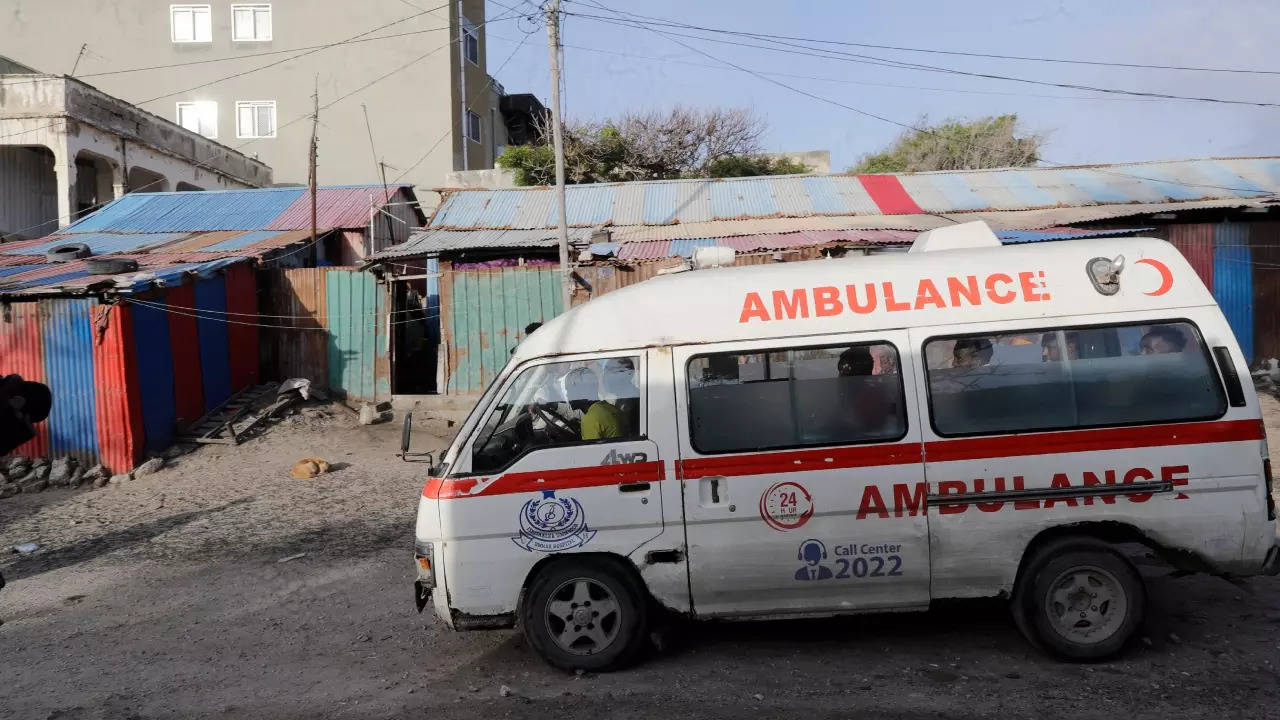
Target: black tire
point(67, 253)
point(1081, 600)
point(625, 627)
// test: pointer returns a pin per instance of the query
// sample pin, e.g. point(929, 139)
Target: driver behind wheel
point(600, 419)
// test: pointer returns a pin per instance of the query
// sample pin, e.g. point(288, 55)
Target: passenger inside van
point(620, 388)
point(600, 419)
point(971, 353)
point(1052, 352)
point(1162, 339)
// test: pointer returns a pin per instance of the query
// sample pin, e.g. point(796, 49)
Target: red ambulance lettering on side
point(910, 499)
point(828, 300)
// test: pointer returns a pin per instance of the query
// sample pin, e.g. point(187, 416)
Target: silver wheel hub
point(583, 616)
point(1086, 604)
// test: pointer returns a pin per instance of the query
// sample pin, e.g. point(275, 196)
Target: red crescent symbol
point(1166, 277)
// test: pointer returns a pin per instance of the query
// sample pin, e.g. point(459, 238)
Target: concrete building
point(243, 73)
point(66, 148)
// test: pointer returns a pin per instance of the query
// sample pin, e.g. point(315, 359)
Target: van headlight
point(424, 558)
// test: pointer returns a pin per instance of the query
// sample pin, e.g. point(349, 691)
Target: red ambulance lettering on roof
point(888, 296)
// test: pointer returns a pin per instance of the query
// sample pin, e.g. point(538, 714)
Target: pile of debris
point(19, 474)
point(1266, 377)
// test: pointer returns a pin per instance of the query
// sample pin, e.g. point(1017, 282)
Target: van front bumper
point(1271, 566)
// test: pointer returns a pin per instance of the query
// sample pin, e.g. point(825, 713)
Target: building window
point(473, 126)
point(470, 42)
point(251, 23)
point(190, 23)
point(796, 397)
point(199, 117)
point(256, 119)
point(1072, 377)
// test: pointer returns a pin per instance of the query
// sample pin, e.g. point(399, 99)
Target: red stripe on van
point(887, 193)
point(562, 479)
point(1100, 439)
point(801, 460)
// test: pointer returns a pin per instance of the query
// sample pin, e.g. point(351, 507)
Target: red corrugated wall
point(242, 332)
point(184, 340)
point(21, 353)
point(1196, 244)
point(115, 374)
point(1264, 242)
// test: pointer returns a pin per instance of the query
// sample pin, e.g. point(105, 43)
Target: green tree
point(655, 145)
point(989, 142)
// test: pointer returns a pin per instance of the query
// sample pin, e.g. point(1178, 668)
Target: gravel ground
point(164, 597)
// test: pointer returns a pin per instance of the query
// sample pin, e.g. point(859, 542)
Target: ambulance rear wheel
point(1084, 601)
point(585, 614)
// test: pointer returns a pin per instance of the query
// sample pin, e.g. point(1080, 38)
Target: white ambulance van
point(856, 435)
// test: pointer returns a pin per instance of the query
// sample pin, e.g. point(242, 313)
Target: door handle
point(713, 491)
point(633, 487)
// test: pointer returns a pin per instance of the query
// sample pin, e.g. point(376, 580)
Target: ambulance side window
point(796, 397)
point(1065, 378)
point(560, 403)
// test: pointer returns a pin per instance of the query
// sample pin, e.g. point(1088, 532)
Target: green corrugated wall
point(359, 361)
point(487, 313)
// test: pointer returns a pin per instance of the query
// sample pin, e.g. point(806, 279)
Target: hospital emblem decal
point(786, 506)
point(552, 524)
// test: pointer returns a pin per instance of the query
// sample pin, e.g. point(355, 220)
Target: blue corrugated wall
point(66, 336)
point(155, 374)
point(215, 357)
point(1233, 281)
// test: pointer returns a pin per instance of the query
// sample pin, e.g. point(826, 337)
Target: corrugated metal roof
point(289, 208)
point(668, 202)
point(655, 249)
point(336, 207)
point(430, 242)
point(100, 243)
point(1013, 237)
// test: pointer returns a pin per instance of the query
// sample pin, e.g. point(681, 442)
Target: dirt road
point(164, 597)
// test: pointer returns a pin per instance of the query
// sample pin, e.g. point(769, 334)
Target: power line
point(960, 53)
point(882, 118)
point(847, 81)
point(856, 58)
point(458, 123)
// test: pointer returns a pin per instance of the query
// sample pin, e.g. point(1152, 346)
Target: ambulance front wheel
point(585, 613)
point(1083, 600)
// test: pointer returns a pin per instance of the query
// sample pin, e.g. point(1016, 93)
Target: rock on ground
point(61, 470)
point(148, 467)
point(34, 486)
point(122, 477)
point(9, 490)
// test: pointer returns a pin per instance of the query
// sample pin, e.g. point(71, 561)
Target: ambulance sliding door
point(802, 479)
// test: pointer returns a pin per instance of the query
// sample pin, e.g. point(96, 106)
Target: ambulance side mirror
point(406, 434)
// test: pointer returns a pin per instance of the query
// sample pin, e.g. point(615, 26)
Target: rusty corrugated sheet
point(1195, 241)
point(482, 315)
point(336, 207)
point(242, 325)
point(1264, 243)
point(295, 343)
point(117, 401)
point(21, 353)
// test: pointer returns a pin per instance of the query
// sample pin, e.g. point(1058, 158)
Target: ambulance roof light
point(956, 237)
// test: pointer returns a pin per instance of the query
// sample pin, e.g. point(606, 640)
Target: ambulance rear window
point(1068, 378)
point(795, 397)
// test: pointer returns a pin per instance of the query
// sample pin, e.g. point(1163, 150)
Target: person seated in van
point(886, 360)
point(1162, 339)
point(971, 353)
point(1051, 352)
point(600, 419)
point(872, 408)
point(855, 362)
point(620, 383)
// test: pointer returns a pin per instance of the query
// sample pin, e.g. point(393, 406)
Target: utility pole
point(557, 134)
point(311, 182)
point(83, 47)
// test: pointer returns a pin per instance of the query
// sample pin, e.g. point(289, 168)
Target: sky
point(603, 78)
